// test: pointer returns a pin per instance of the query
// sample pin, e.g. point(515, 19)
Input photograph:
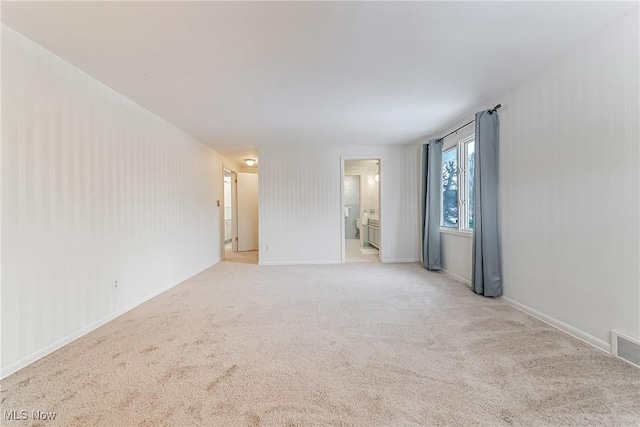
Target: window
point(469, 156)
point(457, 185)
point(450, 188)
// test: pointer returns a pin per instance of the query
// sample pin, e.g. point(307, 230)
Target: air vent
point(625, 348)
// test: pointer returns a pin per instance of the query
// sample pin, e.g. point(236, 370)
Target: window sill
point(455, 232)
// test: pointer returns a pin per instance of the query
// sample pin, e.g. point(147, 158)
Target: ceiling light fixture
point(249, 162)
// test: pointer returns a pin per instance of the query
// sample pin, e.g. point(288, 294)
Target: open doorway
point(240, 219)
point(229, 216)
point(361, 210)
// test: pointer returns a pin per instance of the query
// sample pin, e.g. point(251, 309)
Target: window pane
point(471, 155)
point(450, 188)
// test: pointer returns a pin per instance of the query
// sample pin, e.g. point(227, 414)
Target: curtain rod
point(493, 110)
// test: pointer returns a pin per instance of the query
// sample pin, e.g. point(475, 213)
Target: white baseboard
point(577, 333)
point(298, 262)
point(39, 354)
point(456, 277)
point(386, 261)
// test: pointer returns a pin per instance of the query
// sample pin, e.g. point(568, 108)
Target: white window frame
point(445, 227)
point(463, 177)
point(462, 172)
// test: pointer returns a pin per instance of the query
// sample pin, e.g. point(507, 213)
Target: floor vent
point(625, 348)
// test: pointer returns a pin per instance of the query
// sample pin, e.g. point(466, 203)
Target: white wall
point(457, 254)
point(300, 210)
point(94, 189)
point(569, 189)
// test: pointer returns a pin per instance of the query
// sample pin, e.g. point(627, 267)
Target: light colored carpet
point(353, 344)
point(369, 251)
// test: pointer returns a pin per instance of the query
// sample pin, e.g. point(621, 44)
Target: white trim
point(39, 354)
point(385, 261)
point(445, 151)
point(234, 211)
point(275, 263)
point(456, 277)
point(463, 178)
point(577, 333)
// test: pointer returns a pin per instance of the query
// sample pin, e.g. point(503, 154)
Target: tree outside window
point(450, 188)
point(458, 166)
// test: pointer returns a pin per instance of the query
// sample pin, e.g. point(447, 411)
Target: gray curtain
point(431, 194)
point(487, 271)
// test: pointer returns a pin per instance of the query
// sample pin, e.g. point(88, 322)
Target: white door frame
point(234, 211)
point(343, 253)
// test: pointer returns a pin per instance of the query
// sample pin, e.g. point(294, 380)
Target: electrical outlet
point(115, 285)
point(267, 248)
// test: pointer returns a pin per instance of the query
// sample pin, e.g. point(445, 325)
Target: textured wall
point(570, 188)
point(457, 254)
point(300, 210)
point(351, 201)
point(94, 189)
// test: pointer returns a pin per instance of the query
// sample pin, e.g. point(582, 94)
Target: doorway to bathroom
point(360, 213)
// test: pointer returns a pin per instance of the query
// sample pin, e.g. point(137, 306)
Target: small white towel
point(346, 211)
point(365, 218)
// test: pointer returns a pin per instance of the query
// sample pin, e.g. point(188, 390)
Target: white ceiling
point(237, 75)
